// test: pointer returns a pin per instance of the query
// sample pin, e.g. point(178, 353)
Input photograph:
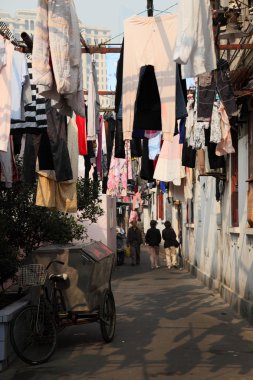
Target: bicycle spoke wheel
point(33, 334)
point(107, 316)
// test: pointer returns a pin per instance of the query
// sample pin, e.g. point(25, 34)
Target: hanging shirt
point(35, 112)
point(195, 48)
point(154, 146)
point(20, 85)
point(93, 105)
point(5, 98)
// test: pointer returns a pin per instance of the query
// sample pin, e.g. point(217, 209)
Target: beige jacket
point(56, 58)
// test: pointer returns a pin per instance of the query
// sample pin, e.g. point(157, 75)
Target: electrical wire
point(138, 14)
point(166, 10)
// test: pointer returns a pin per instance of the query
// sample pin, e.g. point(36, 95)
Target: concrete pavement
point(169, 326)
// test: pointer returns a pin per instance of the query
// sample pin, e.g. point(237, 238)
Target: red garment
point(82, 135)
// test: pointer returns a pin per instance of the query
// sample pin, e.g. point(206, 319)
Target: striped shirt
point(35, 112)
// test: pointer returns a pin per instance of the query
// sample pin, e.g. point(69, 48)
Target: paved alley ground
point(169, 326)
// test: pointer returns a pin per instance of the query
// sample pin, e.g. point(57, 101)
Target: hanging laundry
point(163, 187)
point(154, 146)
point(137, 201)
point(51, 149)
point(3, 57)
point(61, 196)
point(195, 49)
point(93, 124)
point(147, 165)
point(8, 168)
point(99, 150)
point(119, 80)
point(5, 98)
point(35, 117)
point(119, 173)
point(190, 121)
point(219, 81)
point(82, 137)
point(188, 186)
point(215, 126)
point(225, 146)
point(20, 86)
point(199, 135)
point(110, 125)
point(56, 57)
point(119, 141)
point(168, 167)
point(215, 162)
point(150, 48)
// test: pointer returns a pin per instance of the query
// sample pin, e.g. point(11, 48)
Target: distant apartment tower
point(24, 21)
point(95, 36)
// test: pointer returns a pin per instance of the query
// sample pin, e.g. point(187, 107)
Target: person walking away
point(120, 246)
point(153, 239)
point(170, 244)
point(134, 240)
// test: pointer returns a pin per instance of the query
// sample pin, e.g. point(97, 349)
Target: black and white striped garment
point(35, 112)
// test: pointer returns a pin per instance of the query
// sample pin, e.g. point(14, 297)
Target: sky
point(108, 14)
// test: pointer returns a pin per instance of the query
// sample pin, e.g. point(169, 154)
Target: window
point(234, 182)
point(26, 24)
point(32, 25)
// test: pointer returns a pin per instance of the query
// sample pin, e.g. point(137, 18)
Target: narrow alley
point(168, 326)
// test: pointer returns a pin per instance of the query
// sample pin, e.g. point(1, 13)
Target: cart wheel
point(107, 316)
point(33, 334)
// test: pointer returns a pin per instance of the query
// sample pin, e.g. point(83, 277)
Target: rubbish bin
point(88, 267)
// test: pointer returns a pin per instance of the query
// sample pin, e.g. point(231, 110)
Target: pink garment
point(120, 171)
point(137, 198)
point(225, 146)
point(154, 46)
point(5, 98)
point(168, 167)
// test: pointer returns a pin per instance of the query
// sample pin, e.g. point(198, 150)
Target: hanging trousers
point(50, 147)
point(154, 46)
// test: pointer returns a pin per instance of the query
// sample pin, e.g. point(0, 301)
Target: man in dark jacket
point(170, 243)
point(153, 239)
point(134, 240)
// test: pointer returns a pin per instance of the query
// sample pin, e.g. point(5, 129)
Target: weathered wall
point(221, 255)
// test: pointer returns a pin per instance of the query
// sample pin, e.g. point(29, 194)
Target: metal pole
point(150, 8)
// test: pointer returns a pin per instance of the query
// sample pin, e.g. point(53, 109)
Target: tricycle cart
point(72, 286)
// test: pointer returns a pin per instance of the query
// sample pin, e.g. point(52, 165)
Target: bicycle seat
point(58, 277)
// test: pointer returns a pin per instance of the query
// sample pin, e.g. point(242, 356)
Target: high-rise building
point(24, 21)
